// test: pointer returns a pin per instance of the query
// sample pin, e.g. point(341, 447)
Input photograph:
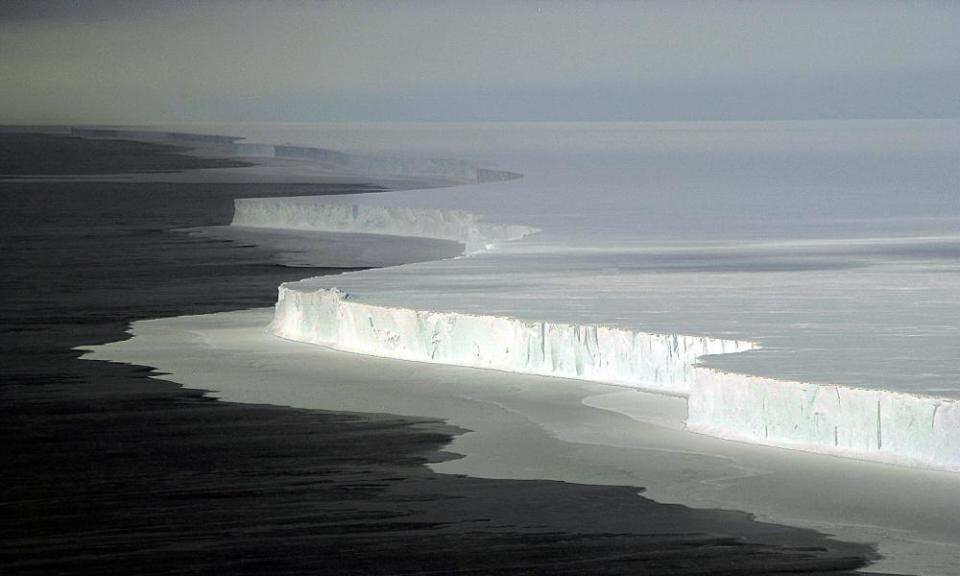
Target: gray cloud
point(130, 62)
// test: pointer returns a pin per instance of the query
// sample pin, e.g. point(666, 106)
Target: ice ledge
point(307, 213)
point(876, 425)
point(658, 362)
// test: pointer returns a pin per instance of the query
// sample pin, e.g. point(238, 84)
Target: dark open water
point(108, 472)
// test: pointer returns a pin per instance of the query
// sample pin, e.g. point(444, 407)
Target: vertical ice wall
point(660, 362)
point(307, 213)
point(879, 425)
point(870, 424)
point(876, 425)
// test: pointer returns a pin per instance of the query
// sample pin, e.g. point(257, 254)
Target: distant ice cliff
point(311, 213)
point(447, 169)
point(657, 362)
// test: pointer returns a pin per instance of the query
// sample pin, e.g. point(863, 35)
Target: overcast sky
point(125, 61)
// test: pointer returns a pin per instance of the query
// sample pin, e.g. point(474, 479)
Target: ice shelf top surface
point(834, 245)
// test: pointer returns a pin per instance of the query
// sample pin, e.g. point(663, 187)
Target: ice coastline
point(430, 323)
point(654, 362)
point(898, 427)
point(370, 165)
point(534, 427)
point(816, 322)
point(829, 372)
point(876, 425)
point(306, 214)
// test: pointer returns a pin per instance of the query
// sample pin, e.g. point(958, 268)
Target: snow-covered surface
point(832, 247)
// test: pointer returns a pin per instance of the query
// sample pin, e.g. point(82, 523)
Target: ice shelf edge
point(657, 362)
point(867, 424)
point(876, 425)
point(310, 214)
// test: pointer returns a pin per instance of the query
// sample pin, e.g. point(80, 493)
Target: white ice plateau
point(782, 284)
point(796, 282)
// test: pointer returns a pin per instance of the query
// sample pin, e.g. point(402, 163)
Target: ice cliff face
point(873, 425)
point(445, 169)
point(868, 424)
point(308, 213)
point(879, 425)
point(658, 362)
